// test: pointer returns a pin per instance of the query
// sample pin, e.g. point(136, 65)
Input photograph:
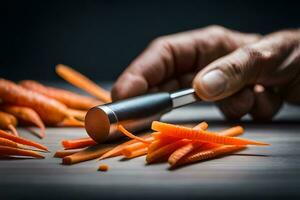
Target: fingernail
point(213, 83)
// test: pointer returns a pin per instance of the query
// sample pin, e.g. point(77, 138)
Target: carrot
point(117, 150)
point(183, 151)
point(156, 144)
point(204, 136)
point(13, 151)
point(131, 148)
point(25, 114)
point(165, 150)
point(78, 114)
point(219, 150)
point(78, 143)
point(103, 168)
point(21, 140)
point(202, 125)
point(70, 122)
point(130, 135)
point(89, 153)
point(70, 99)
point(82, 82)
point(62, 154)
point(8, 122)
point(9, 143)
point(136, 153)
point(51, 111)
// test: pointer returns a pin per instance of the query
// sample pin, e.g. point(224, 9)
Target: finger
point(176, 55)
point(266, 104)
point(256, 63)
point(237, 105)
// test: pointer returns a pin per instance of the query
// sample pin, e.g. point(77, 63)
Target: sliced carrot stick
point(136, 153)
point(7, 142)
point(89, 153)
point(21, 140)
point(202, 125)
point(117, 150)
point(220, 150)
point(183, 151)
point(165, 150)
point(82, 82)
point(8, 122)
point(13, 151)
point(70, 99)
point(62, 154)
point(137, 146)
point(204, 136)
point(78, 143)
point(25, 114)
point(130, 135)
point(103, 168)
point(156, 144)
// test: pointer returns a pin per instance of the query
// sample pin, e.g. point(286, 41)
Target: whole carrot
point(82, 82)
point(27, 115)
point(6, 142)
point(21, 140)
point(12, 151)
point(8, 122)
point(51, 111)
point(70, 99)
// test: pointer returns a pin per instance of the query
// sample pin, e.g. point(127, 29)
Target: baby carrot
point(82, 82)
point(204, 136)
point(130, 135)
point(70, 99)
point(89, 153)
point(21, 140)
point(219, 150)
point(25, 114)
point(12, 151)
point(8, 122)
point(136, 153)
point(78, 143)
point(62, 154)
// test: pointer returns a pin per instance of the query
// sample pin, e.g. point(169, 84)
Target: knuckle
point(160, 42)
point(256, 54)
point(217, 29)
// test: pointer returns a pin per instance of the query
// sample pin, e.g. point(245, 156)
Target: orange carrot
point(202, 125)
point(78, 114)
point(8, 122)
point(89, 153)
point(25, 114)
point(183, 151)
point(130, 135)
point(51, 111)
point(165, 150)
point(82, 82)
point(136, 153)
point(103, 168)
point(204, 136)
point(62, 154)
point(219, 150)
point(6, 142)
point(70, 122)
point(156, 144)
point(12, 151)
point(131, 148)
point(70, 99)
point(21, 140)
point(78, 143)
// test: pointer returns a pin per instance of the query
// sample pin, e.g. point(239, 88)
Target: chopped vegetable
point(78, 143)
point(62, 154)
point(103, 168)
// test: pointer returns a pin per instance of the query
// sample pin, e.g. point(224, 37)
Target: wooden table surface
point(266, 172)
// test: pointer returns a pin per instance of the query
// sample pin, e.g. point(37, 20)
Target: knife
point(134, 114)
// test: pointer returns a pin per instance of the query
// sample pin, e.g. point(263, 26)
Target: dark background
point(100, 38)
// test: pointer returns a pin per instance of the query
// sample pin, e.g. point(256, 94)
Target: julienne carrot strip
point(136, 153)
point(130, 135)
point(188, 133)
point(62, 154)
point(165, 150)
point(13, 151)
point(183, 151)
point(21, 140)
point(78, 143)
point(127, 150)
point(82, 82)
point(156, 144)
point(210, 153)
point(89, 153)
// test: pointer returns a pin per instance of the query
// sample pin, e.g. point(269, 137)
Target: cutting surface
point(272, 171)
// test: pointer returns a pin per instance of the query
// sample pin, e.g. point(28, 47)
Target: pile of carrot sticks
point(178, 145)
point(30, 103)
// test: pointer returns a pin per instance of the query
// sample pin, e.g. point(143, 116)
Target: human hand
point(243, 73)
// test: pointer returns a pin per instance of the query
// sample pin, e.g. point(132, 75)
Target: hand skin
point(243, 73)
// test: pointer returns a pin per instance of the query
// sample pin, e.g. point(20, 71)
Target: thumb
point(255, 63)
